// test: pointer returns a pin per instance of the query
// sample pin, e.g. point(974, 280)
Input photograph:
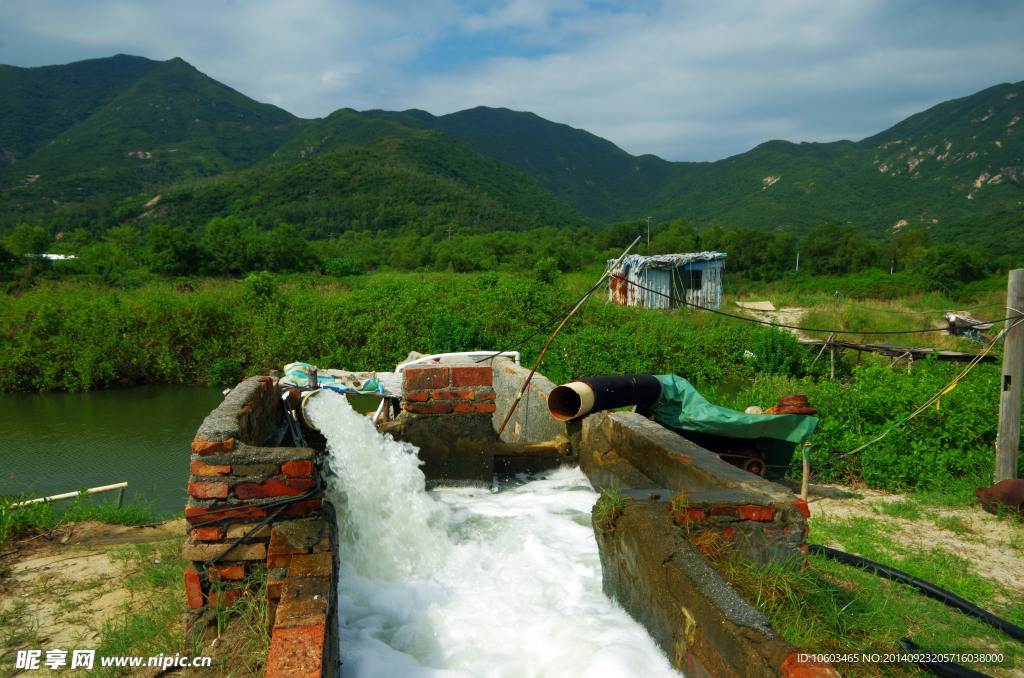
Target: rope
point(949, 387)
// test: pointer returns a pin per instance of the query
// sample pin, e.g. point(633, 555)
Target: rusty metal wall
point(662, 287)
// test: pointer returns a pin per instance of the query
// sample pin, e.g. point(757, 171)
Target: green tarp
point(681, 406)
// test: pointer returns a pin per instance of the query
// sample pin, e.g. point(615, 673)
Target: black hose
point(940, 668)
point(621, 390)
point(930, 590)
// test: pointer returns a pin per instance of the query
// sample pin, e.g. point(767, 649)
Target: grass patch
point(609, 507)
point(45, 515)
point(833, 608)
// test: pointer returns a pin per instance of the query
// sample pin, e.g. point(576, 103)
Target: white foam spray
point(460, 583)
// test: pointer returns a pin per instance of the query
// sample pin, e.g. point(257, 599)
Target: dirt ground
point(67, 584)
point(57, 589)
point(781, 316)
point(994, 546)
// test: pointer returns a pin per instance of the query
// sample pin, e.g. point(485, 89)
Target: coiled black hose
point(929, 589)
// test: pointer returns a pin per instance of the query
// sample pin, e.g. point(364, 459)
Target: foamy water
point(468, 582)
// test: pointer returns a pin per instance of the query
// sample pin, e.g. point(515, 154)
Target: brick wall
point(235, 484)
point(445, 389)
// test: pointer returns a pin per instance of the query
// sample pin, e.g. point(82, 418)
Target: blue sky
point(682, 79)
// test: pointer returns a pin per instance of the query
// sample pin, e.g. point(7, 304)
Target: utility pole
point(648, 235)
point(1008, 437)
point(449, 232)
point(798, 261)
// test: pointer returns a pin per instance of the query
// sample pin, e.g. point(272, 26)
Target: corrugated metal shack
point(664, 280)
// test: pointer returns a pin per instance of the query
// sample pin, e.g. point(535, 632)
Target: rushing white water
point(468, 582)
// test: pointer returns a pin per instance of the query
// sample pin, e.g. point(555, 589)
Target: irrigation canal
point(52, 443)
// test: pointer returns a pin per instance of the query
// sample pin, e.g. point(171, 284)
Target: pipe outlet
point(571, 400)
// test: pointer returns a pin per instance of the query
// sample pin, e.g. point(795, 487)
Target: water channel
point(52, 443)
point(502, 582)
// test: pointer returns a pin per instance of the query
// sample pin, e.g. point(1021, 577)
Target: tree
point(837, 248)
point(29, 242)
point(172, 251)
point(222, 245)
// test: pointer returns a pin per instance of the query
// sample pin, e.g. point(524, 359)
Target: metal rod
point(558, 329)
point(72, 495)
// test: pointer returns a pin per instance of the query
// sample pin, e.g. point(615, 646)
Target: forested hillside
point(126, 149)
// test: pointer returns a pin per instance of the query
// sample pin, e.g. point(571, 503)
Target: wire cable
point(928, 403)
point(794, 327)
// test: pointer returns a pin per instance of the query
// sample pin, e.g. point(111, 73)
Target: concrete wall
point(268, 498)
point(531, 422)
point(651, 566)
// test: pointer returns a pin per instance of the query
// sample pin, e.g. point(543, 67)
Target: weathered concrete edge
point(702, 624)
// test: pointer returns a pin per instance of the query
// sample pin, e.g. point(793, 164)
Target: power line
point(796, 327)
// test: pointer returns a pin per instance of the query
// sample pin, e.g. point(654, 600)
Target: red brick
point(276, 560)
point(474, 407)
point(417, 397)
point(303, 602)
point(694, 515)
point(755, 512)
point(208, 490)
point(236, 571)
point(297, 469)
point(486, 396)
point(273, 488)
point(209, 533)
point(193, 588)
point(728, 532)
point(279, 544)
point(311, 566)
point(792, 667)
point(196, 514)
point(198, 468)
point(190, 551)
point(211, 447)
point(802, 505)
point(472, 375)
point(431, 408)
point(224, 598)
point(453, 395)
point(302, 508)
point(426, 377)
point(296, 652)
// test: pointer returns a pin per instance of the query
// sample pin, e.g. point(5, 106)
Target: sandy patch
point(783, 316)
point(994, 546)
point(57, 589)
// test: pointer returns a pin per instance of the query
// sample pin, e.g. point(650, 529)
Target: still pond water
point(52, 443)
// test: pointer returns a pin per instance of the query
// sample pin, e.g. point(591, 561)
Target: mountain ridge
point(125, 125)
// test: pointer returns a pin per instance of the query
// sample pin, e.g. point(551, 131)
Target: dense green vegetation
point(88, 145)
point(64, 335)
point(212, 236)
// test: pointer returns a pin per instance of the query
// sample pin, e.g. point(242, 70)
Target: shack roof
point(638, 262)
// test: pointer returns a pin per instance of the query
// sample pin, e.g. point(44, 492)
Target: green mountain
point(95, 141)
point(593, 175)
point(169, 123)
point(955, 161)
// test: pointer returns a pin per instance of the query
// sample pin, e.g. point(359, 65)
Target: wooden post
point(1008, 438)
point(805, 448)
point(832, 352)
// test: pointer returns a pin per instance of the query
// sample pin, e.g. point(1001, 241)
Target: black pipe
point(929, 589)
point(619, 390)
point(940, 668)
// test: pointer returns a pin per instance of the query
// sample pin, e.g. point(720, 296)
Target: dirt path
point(57, 589)
point(781, 316)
